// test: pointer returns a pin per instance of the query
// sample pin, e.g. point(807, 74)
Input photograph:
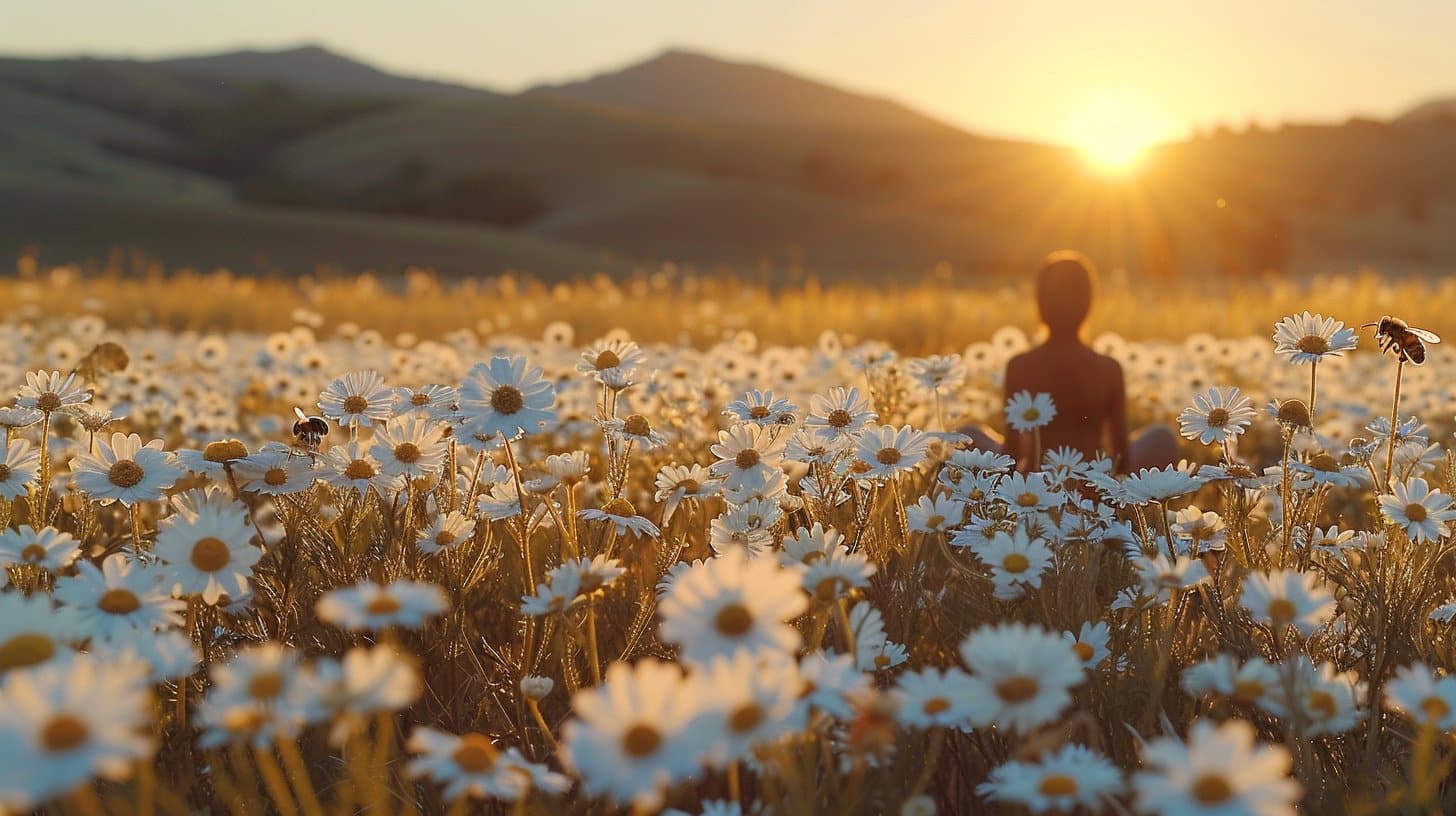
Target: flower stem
point(1394, 415)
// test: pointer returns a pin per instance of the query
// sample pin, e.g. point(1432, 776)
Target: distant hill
point(1444, 108)
point(691, 85)
point(317, 69)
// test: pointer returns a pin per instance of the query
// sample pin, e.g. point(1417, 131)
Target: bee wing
point(1428, 336)
point(298, 412)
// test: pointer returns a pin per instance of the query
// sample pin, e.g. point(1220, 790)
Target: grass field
point(692, 544)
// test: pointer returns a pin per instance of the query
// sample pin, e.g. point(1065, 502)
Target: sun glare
point(1113, 128)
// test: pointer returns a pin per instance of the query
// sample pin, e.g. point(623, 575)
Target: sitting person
point(1086, 387)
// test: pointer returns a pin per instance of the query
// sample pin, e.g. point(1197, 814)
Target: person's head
point(1064, 290)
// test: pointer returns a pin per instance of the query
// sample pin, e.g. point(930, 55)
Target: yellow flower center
point(475, 754)
point(935, 705)
point(641, 741)
point(1212, 789)
point(444, 538)
point(1281, 610)
point(419, 400)
point(1415, 513)
point(637, 425)
point(1435, 708)
point(1217, 418)
point(407, 452)
point(838, 418)
point(32, 553)
point(1015, 562)
point(1323, 702)
point(1057, 785)
point(935, 521)
point(64, 732)
point(620, 507)
point(227, 450)
point(1313, 344)
point(210, 554)
point(1324, 463)
point(355, 404)
point(119, 602)
point(745, 718)
point(1248, 691)
point(1028, 499)
point(265, 685)
point(1084, 652)
point(889, 456)
point(4, 473)
point(758, 412)
point(826, 590)
point(49, 401)
point(733, 620)
point(275, 477)
point(607, 359)
point(747, 458)
point(126, 473)
point(359, 469)
point(689, 486)
point(1017, 689)
point(26, 649)
point(1031, 414)
point(382, 604)
point(507, 399)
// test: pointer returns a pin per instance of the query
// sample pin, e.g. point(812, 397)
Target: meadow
point(693, 544)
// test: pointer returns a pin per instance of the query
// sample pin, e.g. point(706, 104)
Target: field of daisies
point(322, 571)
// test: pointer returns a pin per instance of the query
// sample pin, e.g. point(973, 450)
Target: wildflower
point(126, 471)
point(412, 448)
point(261, 694)
point(611, 362)
point(48, 392)
point(938, 371)
point(437, 402)
point(1090, 643)
point(1026, 413)
point(1219, 770)
point(732, 602)
point(472, 765)
point(873, 650)
point(351, 467)
point(1028, 492)
point(274, 472)
point(504, 398)
point(18, 468)
point(746, 453)
point(1022, 676)
point(934, 514)
point(1153, 484)
point(886, 451)
point(1063, 781)
point(569, 469)
point(368, 606)
point(1420, 511)
point(359, 398)
point(829, 681)
point(1216, 416)
point(1416, 692)
point(636, 429)
point(934, 697)
point(364, 682)
point(46, 548)
point(63, 724)
point(33, 630)
point(1328, 700)
point(1203, 530)
point(1017, 561)
point(752, 702)
point(210, 554)
point(1249, 683)
point(841, 414)
point(163, 656)
point(810, 545)
point(1306, 338)
point(444, 532)
point(635, 734)
point(622, 515)
point(119, 596)
point(678, 483)
point(830, 579)
point(16, 418)
point(761, 408)
point(1160, 577)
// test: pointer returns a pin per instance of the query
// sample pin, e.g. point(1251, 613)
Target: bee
point(1394, 333)
point(309, 430)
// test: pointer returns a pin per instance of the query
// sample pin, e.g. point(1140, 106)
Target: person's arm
point(1014, 446)
point(1117, 422)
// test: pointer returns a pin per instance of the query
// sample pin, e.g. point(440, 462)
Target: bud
point(1295, 413)
point(536, 687)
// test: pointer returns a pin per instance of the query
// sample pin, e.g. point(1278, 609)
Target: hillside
point(316, 69)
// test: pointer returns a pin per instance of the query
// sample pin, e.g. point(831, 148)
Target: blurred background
point(844, 141)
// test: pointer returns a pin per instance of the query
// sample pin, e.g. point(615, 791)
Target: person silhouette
point(1086, 387)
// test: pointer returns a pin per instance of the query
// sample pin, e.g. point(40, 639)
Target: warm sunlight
point(1113, 127)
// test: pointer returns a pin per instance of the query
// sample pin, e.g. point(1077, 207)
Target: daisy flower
point(873, 650)
point(119, 596)
point(1220, 770)
point(935, 697)
point(1017, 561)
point(14, 419)
point(808, 545)
point(47, 548)
point(412, 447)
point(437, 402)
point(359, 398)
point(839, 414)
point(886, 451)
point(365, 682)
point(1026, 413)
point(635, 429)
point(753, 702)
point(1419, 510)
point(274, 472)
point(33, 630)
point(1159, 577)
point(637, 733)
point(1287, 597)
point(1250, 682)
point(1028, 492)
point(369, 606)
point(126, 471)
point(732, 602)
point(18, 468)
point(762, 408)
point(1203, 530)
point(504, 398)
point(935, 514)
point(832, 578)
point(48, 391)
point(447, 530)
point(937, 371)
point(678, 483)
point(622, 515)
point(1328, 700)
point(351, 467)
point(611, 362)
point(1419, 694)
point(1153, 484)
point(1216, 416)
point(746, 453)
point(1307, 338)
point(164, 656)
point(1090, 643)
point(211, 554)
point(64, 724)
point(1066, 780)
point(829, 681)
point(471, 765)
point(1022, 676)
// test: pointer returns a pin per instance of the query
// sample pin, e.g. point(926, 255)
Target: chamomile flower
point(678, 483)
point(612, 361)
point(1419, 694)
point(934, 514)
point(210, 554)
point(873, 650)
point(1026, 413)
point(830, 579)
point(1217, 415)
point(33, 630)
point(753, 701)
point(732, 602)
point(1063, 781)
point(119, 596)
point(1420, 511)
point(1017, 561)
point(1090, 643)
point(886, 450)
point(411, 447)
point(746, 453)
point(504, 398)
point(49, 391)
point(829, 681)
point(365, 682)
point(127, 471)
point(761, 408)
point(164, 656)
point(351, 467)
point(1021, 676)
point(445, 531)
point(1307, 338)
point(275, 472)
point(1287, 597)
point(840, 414)
point(1220, 770)
point(369, 606)
point(18, 468)
point(472, 765)
point(1028, 492)
point(636, 429)
point(1250, 682)
point(437, 402)
point(357, 399)
point(937, 371)
point(931, 697)
point(620, 513)
point(46, 548)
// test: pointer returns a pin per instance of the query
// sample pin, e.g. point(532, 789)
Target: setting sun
point(1113, 127)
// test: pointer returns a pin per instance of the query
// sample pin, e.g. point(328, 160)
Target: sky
point(1033, 69)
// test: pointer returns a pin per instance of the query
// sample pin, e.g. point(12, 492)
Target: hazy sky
point(1024, 68)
